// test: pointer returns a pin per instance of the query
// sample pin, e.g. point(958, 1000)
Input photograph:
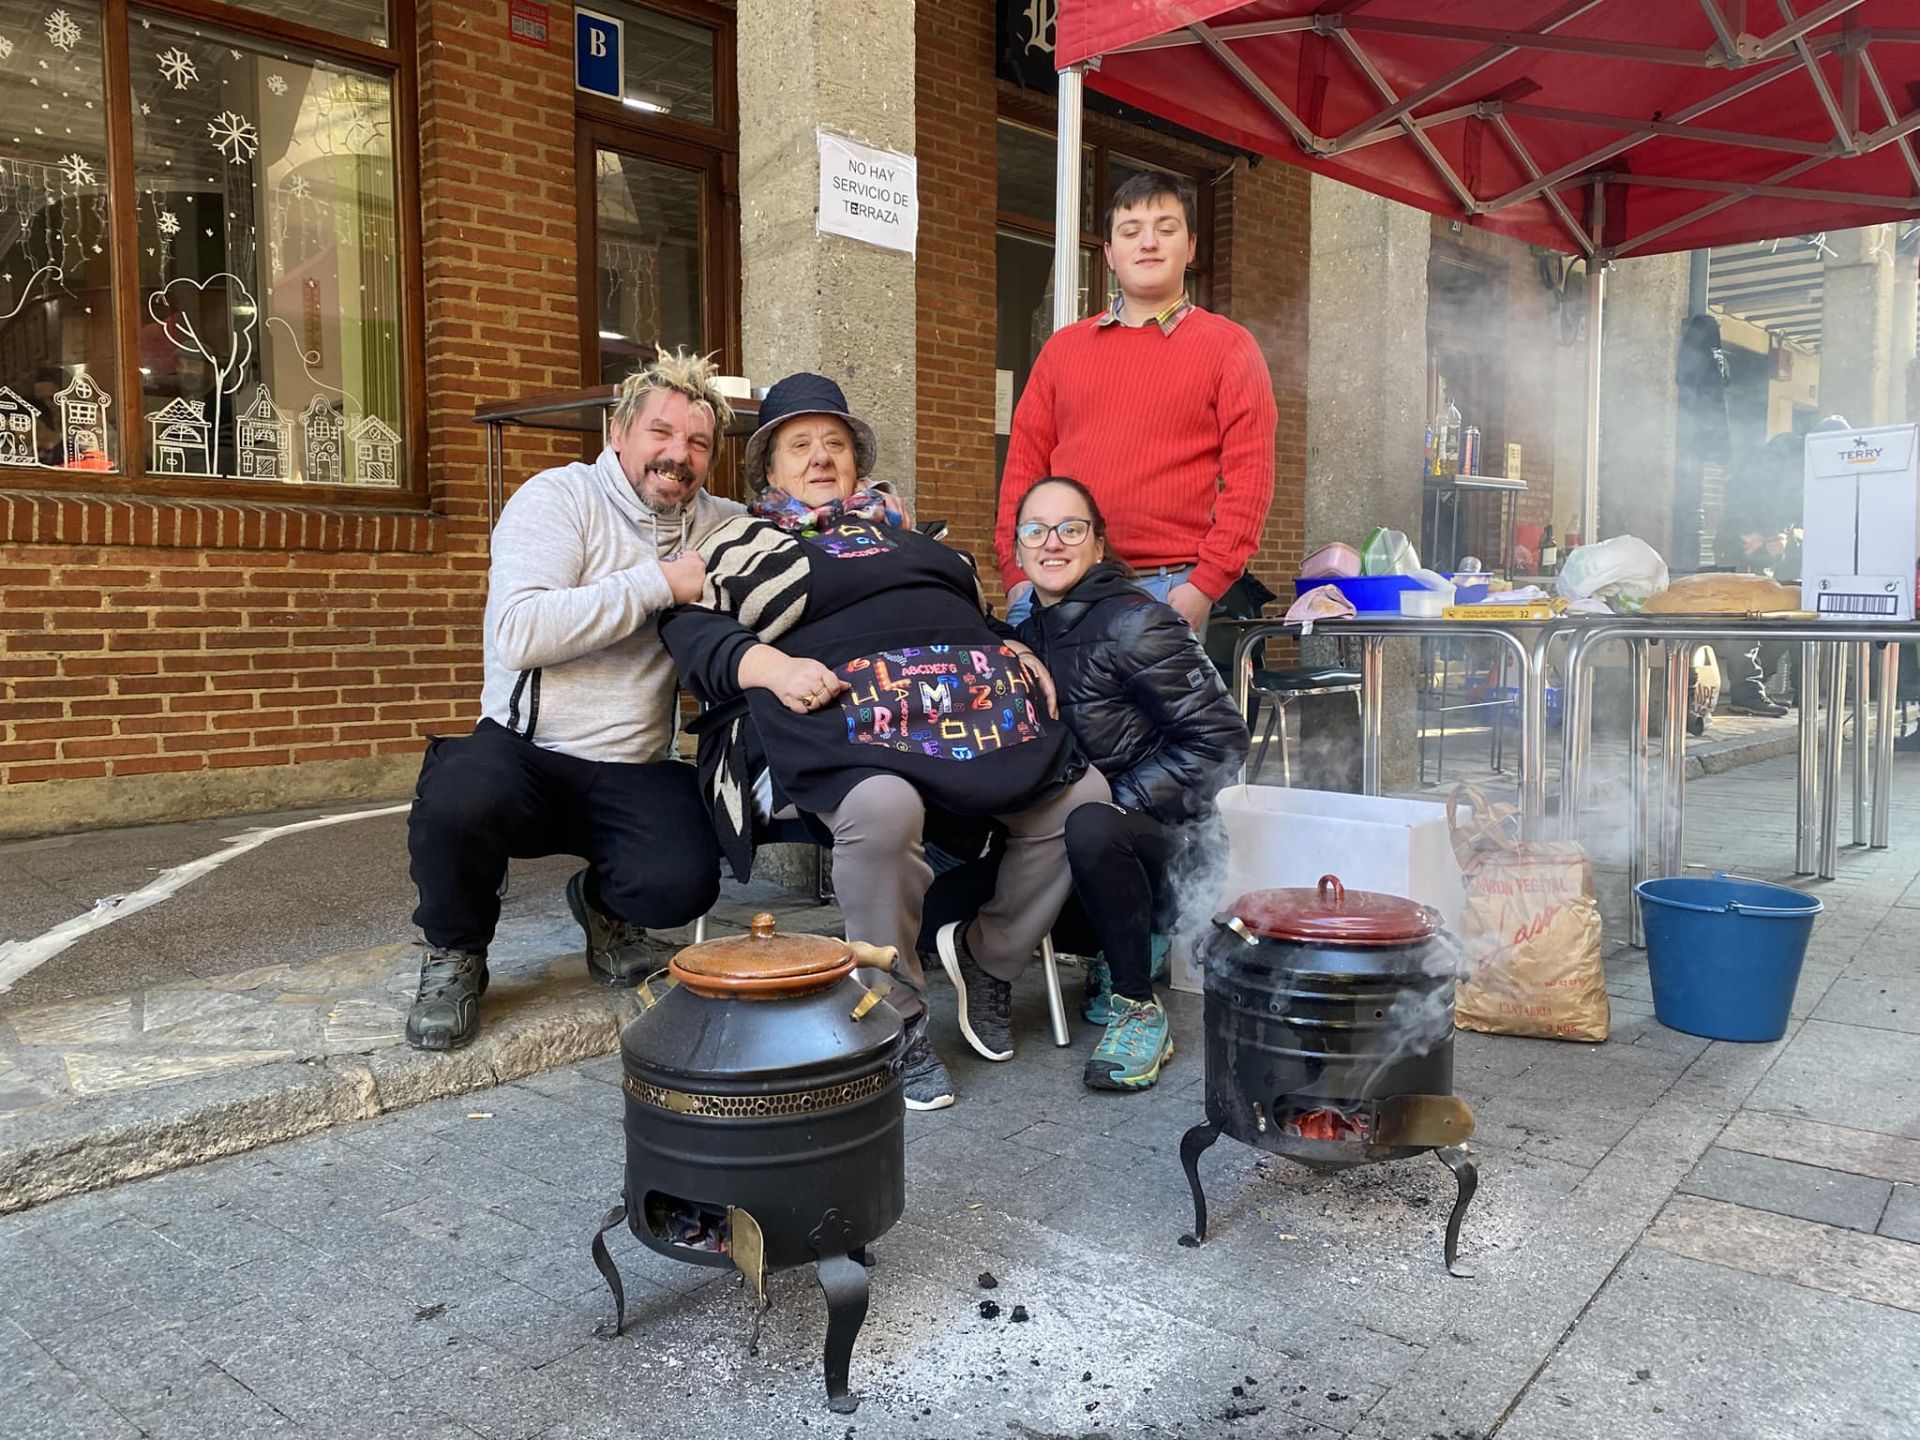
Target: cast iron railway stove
point(765, 1122)
point(1329, 1037)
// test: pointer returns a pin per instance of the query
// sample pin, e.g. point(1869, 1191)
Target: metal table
point(1527, 641)
point(1826, 647)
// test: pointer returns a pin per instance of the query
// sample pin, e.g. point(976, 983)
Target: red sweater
point(1173, 434)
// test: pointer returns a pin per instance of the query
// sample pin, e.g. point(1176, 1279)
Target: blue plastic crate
point(1380, 594)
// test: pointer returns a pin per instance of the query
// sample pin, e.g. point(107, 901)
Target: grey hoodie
point(573, 661)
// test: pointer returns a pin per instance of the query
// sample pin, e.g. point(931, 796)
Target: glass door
point(650, 272)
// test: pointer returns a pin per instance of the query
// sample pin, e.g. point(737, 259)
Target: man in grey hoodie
point(574, 751)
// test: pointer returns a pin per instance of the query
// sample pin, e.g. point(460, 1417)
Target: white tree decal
point(173, 309)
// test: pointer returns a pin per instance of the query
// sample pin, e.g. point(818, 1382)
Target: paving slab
point(1847, 1075)
point(1677, 1349)
point(1902, 1218)
point(1820, 1257)
point(1808, 1192)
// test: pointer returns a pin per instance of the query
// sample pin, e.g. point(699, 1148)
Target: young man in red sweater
point(1163, 410)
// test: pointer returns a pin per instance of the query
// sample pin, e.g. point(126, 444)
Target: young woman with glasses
point(1151, 712)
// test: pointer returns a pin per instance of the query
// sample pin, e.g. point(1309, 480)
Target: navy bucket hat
point(806, 394)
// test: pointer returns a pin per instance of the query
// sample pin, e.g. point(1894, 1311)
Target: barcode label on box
point(1835, 604)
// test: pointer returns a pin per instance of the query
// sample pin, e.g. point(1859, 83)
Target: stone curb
point(159, 1128)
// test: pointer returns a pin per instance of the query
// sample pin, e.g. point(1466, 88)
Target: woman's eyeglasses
point(1033, 533)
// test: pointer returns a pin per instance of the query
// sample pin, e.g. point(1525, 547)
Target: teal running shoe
point(1137, 1043)
point(1096, 1006)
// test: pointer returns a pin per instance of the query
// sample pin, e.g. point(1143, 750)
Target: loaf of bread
point(1724, 595)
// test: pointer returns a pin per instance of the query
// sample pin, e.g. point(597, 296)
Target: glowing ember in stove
point(1326, 1124)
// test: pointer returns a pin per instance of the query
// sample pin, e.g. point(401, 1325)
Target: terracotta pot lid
point(1331, 914)
point(762, 964)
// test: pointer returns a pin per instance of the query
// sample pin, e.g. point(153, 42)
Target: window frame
point(1105, 140)
point(397, 61)
point(713, 151)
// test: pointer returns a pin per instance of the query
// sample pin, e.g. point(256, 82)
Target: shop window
point(260, 300)
point(647, 257)
point(57, 342)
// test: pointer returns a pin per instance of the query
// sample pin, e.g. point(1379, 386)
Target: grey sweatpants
point(881, 875)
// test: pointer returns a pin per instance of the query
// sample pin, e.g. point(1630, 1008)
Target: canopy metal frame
point(1752, 60)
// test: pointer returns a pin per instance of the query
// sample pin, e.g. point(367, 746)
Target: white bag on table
point(1625, 572)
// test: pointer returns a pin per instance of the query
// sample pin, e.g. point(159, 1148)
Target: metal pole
point(1066, 201)
point(1590, 482)
point(1862, 659)
point(1673, 817)
point(1806, 802)
point(1883, 747)
point(1533, 735)
point(1373, 675)
point(1637, 783)
point(1830, 763)
point(1576, 727)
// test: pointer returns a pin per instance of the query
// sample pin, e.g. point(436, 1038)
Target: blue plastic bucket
point(1724, 954)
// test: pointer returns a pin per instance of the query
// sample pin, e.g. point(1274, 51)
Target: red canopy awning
point(1623, 127)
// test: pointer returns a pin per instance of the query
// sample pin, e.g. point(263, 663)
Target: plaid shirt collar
point(1166, 319)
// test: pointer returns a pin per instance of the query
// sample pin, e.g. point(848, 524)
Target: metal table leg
point(1373, 674)
point(1533, 736)
point(1673, 816)
point(1862, 662)
point(1830, 762)
point(1807, 790)
point(1883, 747)
point(1637, 782)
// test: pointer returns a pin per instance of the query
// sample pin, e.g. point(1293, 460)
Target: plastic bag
point(1323, 602)
point(1530, 926)
point(1388, 552)
point(1625, 572)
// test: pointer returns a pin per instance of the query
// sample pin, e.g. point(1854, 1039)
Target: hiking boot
point(1096, 1008)
point(446, 1009)
point(1137, 1043)
point(617, 953)
point(923, 1079)
point(986, 1004)
point(1756, 705)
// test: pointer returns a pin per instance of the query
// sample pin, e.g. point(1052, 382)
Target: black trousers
point(489, 797)
point(1120, 861)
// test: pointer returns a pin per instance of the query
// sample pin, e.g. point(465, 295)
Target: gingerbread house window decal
point(323, 436)
point(376, 451)
point(83, 423)
point(18, 417)
point(182, 438)
point(263, 440)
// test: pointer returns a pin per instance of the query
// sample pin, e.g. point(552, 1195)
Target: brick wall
point(161, 658)
point(1259, 279)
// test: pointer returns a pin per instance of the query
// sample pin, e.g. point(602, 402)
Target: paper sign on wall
point(868, 194)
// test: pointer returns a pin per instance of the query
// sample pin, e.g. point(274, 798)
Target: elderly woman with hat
point(850, 662)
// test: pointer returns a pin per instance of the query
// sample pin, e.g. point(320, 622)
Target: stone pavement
point(1673, 1238)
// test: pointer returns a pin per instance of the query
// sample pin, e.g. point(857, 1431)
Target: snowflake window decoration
point(277, 84)
point(177, 66)
point(169, 223)
point(6, 48)
point(62, 31)
point(234, 136)
point(299, 187)
point(76, 170)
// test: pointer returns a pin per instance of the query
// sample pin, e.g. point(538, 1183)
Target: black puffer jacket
point(1140, 695)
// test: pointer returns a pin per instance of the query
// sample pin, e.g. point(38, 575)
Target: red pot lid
point(1335, 915)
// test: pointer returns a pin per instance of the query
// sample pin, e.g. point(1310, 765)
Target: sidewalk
point(1674, 1239)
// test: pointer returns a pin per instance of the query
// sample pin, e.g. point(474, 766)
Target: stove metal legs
point(842, 1271)
point(1459, 1160)
point(1192, 1146)
point(610, 1272)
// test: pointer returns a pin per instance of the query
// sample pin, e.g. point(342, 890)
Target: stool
point(1281, 688)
